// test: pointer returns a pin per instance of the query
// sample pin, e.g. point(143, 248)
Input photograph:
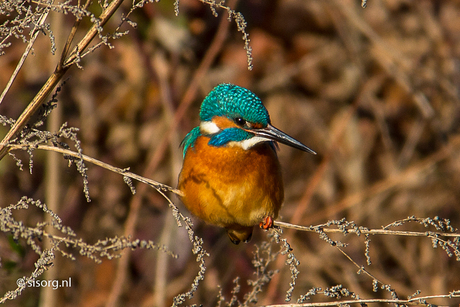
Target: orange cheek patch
point(223, 122)
point(257, 126)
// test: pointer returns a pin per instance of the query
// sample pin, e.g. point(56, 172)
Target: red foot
point(266, 223)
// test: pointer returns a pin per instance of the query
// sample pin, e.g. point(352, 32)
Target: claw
point(266, 223)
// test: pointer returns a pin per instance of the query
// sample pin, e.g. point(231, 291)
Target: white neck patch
point(246, 144)
point(209, 128)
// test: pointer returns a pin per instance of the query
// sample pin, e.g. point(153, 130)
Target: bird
point(231, 176)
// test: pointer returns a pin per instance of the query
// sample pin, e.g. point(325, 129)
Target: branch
point(397, 302)
point(366, 231)
point(34, 36)
point(154, 184)
point(95, 29)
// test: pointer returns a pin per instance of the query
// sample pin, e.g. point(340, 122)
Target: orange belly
point(231, 187)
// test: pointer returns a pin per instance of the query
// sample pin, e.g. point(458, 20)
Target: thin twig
point(368, 231)
point(154, 184)
point(398, 302)
point(68, 43)
point(91, 34)
point(32, 40)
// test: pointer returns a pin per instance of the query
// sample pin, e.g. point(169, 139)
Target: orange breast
point(231, 187)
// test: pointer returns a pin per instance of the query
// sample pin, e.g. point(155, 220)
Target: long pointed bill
point(274, 134)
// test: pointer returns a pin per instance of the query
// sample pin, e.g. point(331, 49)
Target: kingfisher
point(231, 176)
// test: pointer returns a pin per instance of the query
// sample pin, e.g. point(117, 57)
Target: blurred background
point(373, 91)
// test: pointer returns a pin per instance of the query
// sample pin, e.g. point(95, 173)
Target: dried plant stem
point(53, 192)
point(24, 55)
point(91, 34)
point(48, 296)
point(36, 102)
point(397, 302)
point(368, 231)
point(156, 185)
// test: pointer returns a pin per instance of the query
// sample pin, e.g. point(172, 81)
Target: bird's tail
point(240, 234)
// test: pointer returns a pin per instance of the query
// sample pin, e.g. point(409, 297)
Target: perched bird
point(231, 176)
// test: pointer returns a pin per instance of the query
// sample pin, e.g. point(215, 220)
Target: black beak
point(274, 134)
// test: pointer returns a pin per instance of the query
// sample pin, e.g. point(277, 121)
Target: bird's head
point(234, 116)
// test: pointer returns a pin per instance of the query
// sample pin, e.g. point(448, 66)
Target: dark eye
point(240, 121)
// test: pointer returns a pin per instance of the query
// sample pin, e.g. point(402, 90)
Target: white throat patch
point(209, 128)
point(246, 144)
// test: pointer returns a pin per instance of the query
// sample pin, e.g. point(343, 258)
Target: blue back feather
point(190, 139)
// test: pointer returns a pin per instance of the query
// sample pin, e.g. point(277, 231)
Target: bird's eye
point(240, 121)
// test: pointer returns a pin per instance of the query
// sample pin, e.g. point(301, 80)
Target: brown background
point(374, 91)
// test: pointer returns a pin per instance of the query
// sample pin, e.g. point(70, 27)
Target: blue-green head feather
point(234, 101)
